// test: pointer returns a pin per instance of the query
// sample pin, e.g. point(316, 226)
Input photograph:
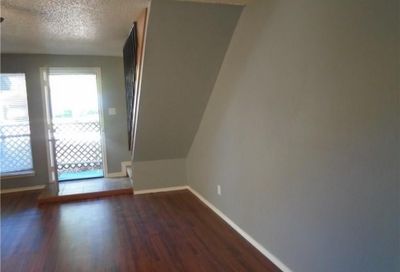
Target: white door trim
point(44, 80)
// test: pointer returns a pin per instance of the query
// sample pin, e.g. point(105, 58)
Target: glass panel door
point(76, 124)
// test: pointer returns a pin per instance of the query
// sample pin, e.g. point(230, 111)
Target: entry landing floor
point(86, 189)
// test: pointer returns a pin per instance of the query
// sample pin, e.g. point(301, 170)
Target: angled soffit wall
point(185, 46)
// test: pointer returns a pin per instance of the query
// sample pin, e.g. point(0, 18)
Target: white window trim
point(19, 174)
point(29, 172)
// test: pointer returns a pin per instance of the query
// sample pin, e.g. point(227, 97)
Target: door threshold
point(78, 180)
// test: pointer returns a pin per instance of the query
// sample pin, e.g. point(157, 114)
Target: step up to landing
point(85, 189)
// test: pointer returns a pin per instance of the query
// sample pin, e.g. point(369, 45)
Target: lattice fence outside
point(78, 147)
point(15, 148)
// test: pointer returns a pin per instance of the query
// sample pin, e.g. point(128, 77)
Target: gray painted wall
point(301, 131)
point(185, 47)
point(159, 174)
point(113, 96)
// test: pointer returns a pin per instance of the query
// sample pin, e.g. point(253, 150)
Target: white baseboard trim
point(123, 172)
point(239, 230)
point(244, 234)
point(116, 175)
point(124, 165)
point(22, 189)
point(159, 190)
point(129, 171)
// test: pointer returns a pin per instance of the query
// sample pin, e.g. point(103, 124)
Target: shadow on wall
point(239, 64)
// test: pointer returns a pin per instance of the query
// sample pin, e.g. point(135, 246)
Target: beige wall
point(301, 131)
point(113, 96)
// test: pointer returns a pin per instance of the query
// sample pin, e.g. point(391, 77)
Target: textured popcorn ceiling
point(82, 27)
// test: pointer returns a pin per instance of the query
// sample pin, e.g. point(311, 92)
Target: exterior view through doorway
point(76, 127)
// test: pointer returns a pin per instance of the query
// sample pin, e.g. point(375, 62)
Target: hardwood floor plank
point(171, 231)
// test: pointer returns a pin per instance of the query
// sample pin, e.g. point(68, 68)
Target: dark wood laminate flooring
point(171, 231)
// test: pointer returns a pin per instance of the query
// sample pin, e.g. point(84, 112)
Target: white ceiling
point(74, 27)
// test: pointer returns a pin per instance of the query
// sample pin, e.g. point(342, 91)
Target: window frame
point(25, 172)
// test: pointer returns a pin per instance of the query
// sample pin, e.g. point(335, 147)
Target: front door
point(77, 127)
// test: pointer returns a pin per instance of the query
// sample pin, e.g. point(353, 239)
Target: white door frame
point(48, 130)
point(85, 70)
